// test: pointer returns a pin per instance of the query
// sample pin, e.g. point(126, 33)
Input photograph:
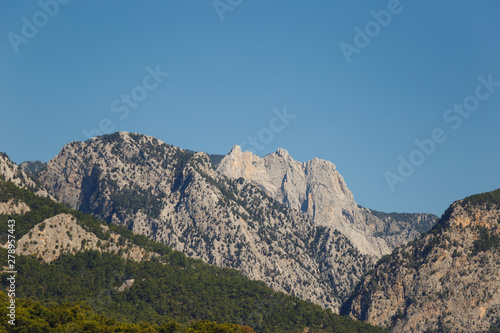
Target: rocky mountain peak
point(236, 150)
point(319, 191)
point(283, 153)
point(473, 212)
point(176, 197)
point(13, 173)
point(447, 280)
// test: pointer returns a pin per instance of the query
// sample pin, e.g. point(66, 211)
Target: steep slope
point(11, 172)
point(318, 190)
point(61, 234)
point(67, 256)
point(448, 279)
point(33, 167)
point(176, 197)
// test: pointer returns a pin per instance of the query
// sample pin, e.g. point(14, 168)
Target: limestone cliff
point(318, 190)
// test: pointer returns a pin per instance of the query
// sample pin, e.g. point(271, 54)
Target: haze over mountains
point(295, 226)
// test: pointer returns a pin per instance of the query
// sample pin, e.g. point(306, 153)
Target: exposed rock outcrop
point(61, 234)
point(13, 173)
point(13, 207)
point(447, 280)
point(318, 190)
point(176, 197)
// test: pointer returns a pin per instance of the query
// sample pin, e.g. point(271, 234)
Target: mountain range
point(180, 198)
point(78, 274)
point(295, 226)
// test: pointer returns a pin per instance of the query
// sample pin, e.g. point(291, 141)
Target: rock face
point(33, 167)
point(61, 234)
point(13, 207)
point(177, 197)
point(13, 173)
point(318, 190)
point(447, 280)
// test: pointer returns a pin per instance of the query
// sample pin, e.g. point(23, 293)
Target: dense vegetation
point(172, 287)
point(33, 316)
point(183, 290)
point(486, 241)
point(490, 199)
point(132, 199)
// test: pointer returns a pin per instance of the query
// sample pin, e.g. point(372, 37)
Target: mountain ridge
point(129, 278)
point(447, 279)
point(319, 191)
point(178, 198)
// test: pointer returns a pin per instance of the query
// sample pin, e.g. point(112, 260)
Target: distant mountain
point(12, 172)
point(33, 167)
point(177, 197)
point(65, 256)
point(318, 190)
point(447, 280)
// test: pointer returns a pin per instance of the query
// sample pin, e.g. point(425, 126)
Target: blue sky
point(227, 79)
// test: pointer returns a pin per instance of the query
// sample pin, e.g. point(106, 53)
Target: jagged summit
point(283, 153)
point(319, 191)
point(235, 150)
point(302, 233)
point(280, 152)
point(13, 173)
point(176, 196)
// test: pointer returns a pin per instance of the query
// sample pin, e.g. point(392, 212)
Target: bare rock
point(447, 280)
point(178, 198)
point(319, 191)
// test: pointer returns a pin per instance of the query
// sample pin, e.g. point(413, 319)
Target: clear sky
point(359, 81)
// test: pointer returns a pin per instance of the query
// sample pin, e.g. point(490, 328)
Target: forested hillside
point(167, 287)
